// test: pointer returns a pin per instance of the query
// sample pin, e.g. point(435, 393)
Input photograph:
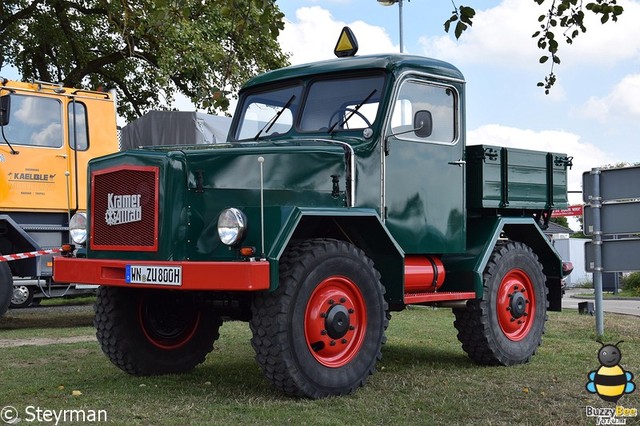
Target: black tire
point(505, 327)
point(149, 332)
point(321, 331)
point(6, 287)
point(22, 296)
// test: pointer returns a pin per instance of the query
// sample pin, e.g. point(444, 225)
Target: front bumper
point(201, 276)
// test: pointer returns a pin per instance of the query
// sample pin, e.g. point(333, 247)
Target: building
point(571, 250)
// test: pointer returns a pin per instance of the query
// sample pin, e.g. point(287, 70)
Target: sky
point(592, 112)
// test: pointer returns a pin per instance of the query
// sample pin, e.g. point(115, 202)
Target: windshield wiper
point(13, 151)
point(353, 111)
point(5, 119)
point(273, 120)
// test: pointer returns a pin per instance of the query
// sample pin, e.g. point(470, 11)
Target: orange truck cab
point(48, 133)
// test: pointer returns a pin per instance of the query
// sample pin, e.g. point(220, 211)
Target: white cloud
point(500, 33)
point(314, 35)
point(502, 36)
point(585, 155)
point(623, 101)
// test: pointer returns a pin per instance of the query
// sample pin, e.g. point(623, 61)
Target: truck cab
point(345, 191)
point(393, 115)
point(48, 135)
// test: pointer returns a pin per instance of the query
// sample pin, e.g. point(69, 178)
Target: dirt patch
point(44, 341)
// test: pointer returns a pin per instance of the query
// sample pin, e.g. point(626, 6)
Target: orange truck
point(48, 133)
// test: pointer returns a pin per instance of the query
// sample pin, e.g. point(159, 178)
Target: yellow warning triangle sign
point(347, 44)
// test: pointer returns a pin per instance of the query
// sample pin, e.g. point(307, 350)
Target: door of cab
point(34, 178)
point(95, 135)
point(424, 169)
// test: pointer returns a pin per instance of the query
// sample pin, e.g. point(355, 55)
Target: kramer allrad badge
point(123, 209)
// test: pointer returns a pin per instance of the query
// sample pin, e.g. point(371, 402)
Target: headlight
point(78, 228)
point(232, 224)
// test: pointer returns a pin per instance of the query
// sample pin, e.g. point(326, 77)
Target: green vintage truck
point(345, 191)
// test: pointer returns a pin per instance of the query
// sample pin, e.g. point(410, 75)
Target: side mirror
point(5, 107)
point(423, 123)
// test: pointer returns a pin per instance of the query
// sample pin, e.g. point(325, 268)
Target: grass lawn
point(57, 301)
point(624, 294)
point(424, 378)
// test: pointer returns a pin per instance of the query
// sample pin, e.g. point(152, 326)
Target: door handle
point(459, 163)
point(62, 155)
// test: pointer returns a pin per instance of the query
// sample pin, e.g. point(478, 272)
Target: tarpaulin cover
point(174, 128)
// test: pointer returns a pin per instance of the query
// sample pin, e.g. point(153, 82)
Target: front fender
point(360, 226)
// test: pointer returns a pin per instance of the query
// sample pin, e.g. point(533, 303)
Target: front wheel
point(321, 332)
point(505, 327)
point(148, 332)
point(22, 296)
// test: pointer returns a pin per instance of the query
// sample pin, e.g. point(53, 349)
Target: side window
point(77, 113)
point(419, 99)
point(35, 121)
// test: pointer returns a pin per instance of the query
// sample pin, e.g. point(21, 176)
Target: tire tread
point(473, 322)
point(270, 336)
point(114, 331)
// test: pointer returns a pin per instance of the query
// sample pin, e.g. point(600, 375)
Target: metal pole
point(596, 205)
point(261, 161)
point(400, 14)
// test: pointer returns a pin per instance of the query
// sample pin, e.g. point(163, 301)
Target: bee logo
point(610, 381)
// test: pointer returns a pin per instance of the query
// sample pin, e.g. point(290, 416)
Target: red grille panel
point(124, 208)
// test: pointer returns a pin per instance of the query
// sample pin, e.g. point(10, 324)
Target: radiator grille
point(124, 209)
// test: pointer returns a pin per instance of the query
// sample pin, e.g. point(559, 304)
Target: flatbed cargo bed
point(511, 178)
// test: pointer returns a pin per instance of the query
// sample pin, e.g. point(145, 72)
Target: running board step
point(444, 296)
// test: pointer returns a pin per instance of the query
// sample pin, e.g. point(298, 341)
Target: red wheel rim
point(335, 321)
point(516, 305)
point(166, 329)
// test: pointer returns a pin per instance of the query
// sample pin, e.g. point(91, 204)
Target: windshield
point(330, 105)
point(269, 113)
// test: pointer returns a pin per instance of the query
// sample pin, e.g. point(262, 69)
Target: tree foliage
point(147, 49)
point(563, 19)
point(560, 220)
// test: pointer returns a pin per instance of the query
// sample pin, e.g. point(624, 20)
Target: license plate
point(162, 275)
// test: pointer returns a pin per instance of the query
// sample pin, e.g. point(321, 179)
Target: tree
point(147, 49)
point(562, 18)
point(560, 220)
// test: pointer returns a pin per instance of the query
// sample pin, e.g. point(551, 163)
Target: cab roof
point(394, 63)
point(51, 88)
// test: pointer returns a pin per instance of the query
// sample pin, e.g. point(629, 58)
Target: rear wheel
point(147, 332)
point(320, 333)
point(506, 326)
point(6, 287)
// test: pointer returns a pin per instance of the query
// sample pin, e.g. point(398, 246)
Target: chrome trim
point(46, 228)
